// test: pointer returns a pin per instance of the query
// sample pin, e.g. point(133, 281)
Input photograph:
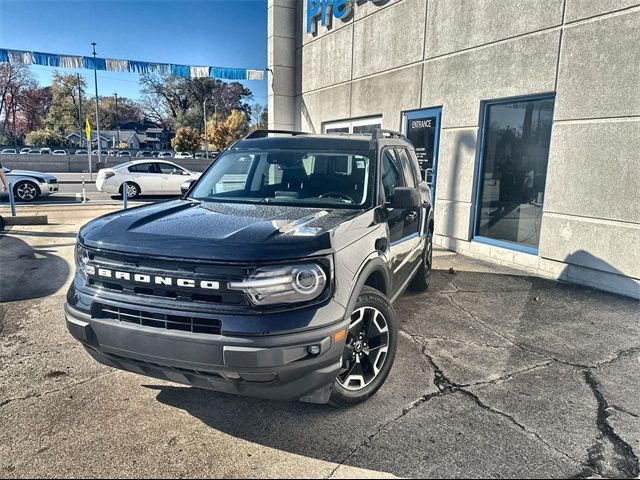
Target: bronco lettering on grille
point(151, 279)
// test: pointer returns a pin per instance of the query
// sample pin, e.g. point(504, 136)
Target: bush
point(187, 139)
point(45, 138)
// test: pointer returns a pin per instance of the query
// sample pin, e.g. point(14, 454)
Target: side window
point(391, 173)
point(409, 175)
point(168, 169)
point(142, 168)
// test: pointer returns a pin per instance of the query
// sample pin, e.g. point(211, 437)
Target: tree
point(259, 117)
point(222, 133)
point(187, 139)
point(128, 111)
point(175, 102)
point(62, 116)
point(15, 79)
point(46, 138)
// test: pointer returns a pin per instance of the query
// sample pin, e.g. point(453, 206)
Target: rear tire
point(26, 191)
point(422, 278)
point(133, 190)
point(370, 350)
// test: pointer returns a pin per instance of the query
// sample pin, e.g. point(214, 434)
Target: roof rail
point(380, 133)
point(265, 133)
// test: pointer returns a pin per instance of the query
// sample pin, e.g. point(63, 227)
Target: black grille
point(53, 180)
point(158, 320)
point(220, 273)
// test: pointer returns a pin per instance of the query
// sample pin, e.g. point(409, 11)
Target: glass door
point(422, 128)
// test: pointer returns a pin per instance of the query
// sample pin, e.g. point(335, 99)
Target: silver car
point(28, 185)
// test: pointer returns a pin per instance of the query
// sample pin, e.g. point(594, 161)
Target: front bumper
point(277, 367)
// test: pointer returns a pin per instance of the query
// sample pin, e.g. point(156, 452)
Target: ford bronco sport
point(272, 276)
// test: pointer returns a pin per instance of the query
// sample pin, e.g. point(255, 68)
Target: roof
point(306, 142)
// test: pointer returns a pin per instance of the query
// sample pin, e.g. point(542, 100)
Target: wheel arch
point(374, 273)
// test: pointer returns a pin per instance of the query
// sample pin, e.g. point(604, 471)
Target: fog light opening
point(314, 349)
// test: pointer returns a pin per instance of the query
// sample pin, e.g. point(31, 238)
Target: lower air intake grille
point(159, 320)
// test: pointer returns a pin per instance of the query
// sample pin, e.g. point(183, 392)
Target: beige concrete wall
point(398, 55)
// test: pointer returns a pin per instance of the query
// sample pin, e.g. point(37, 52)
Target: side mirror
point(186, 186)
point(406, 198)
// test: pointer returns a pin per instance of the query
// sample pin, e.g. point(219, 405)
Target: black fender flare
point(374, 263)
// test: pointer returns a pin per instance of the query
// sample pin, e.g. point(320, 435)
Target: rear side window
point(391, 173)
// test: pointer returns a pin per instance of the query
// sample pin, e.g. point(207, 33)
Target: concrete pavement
point(498, 374)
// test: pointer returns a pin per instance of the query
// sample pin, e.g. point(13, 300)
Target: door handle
point(412, 216)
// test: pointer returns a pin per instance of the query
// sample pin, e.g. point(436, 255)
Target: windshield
point(289, 177)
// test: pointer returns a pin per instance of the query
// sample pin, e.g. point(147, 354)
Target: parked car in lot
point(59, 152)
point(183, 155)
point(144, 177)
point(34, 151)
point(81, 152)
point(165, 155)
point(24, 151)
point(45, 151)
point(280, 286)
point(28, 185)
point(146, 153)
point(124, 153)
point(8, 151)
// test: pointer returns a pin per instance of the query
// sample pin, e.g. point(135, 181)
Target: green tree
point(128, 111)
point(222, 133)
point(187, 139)
point(62, 116)
point(45, 138)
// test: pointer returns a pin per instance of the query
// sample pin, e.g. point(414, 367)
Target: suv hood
point(219, 231)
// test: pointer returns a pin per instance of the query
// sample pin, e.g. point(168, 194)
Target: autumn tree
point(46, 138)
point(221, 133)
point(187, 139)
point(66, 96)
point(15, 79)
point(128, 111)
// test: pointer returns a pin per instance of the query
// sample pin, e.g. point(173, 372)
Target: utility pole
point(117, 122)
point(95, 76)
point(206, 140)
point(79, 108)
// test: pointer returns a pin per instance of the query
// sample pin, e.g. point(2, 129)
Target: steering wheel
point(340, 195)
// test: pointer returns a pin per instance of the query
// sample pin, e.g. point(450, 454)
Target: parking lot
point(498, 374)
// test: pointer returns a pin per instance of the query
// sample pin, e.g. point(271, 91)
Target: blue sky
point(222, 33)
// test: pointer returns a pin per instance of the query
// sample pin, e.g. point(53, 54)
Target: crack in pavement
point(444, 384)
point(624, 460)
point(57, 390)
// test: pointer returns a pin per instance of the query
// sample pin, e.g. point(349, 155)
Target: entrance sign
point(325, 10)
point(422, 128)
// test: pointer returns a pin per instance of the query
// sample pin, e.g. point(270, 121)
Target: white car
point(8, 151)
point(29, 185)
point(146, 177)
point(165, 155)
point(59, 152)
point(183, 155)
point(25, 151)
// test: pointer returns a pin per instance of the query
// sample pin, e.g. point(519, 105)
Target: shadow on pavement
point(28, 273)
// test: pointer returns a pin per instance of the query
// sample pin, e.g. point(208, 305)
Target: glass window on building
point(515, 153)
point(361, 125)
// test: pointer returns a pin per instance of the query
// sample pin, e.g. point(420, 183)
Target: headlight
point(290, 284)
point(82, 260)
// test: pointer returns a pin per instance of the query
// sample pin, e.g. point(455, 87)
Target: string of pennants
point(134, 66)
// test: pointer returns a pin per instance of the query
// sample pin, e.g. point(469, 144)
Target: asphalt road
point(498, 374)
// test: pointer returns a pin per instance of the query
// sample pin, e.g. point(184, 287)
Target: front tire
point(370, 350)
point(422, 279)
point(26, 191)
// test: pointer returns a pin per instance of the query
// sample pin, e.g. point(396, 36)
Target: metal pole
point(79, 108)
point(117, 123)
point(84, 192)
point(95, 77)
point(206, 140)
point(125, 195)
point(12, 201)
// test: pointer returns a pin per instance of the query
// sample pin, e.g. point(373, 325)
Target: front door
point(422, 128)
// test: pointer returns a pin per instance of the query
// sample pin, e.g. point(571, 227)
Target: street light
point(206, 140)
point(117, 123)
point(95, 77)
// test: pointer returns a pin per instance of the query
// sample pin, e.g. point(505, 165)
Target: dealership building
point(524, 113)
